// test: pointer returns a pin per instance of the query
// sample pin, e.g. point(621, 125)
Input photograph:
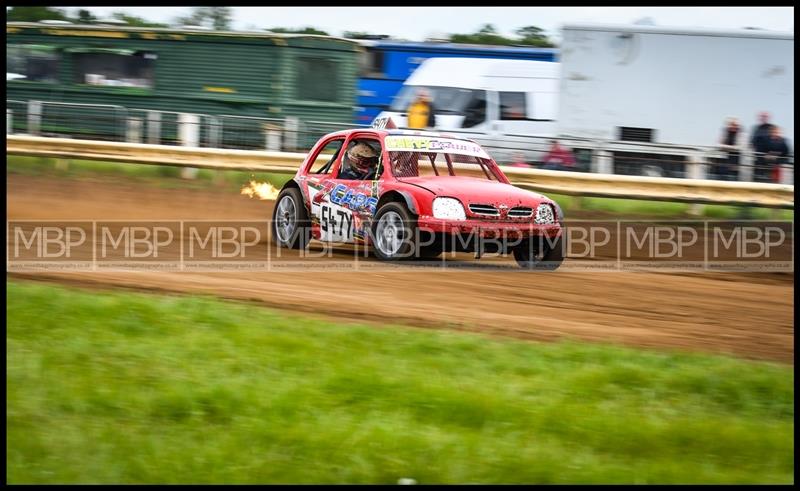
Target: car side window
point(475, 111)
point(323, 162)
point(362, 160)
point(512, 106)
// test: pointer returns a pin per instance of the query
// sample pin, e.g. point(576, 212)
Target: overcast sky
point(417, 23)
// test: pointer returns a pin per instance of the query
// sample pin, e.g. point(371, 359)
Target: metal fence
point(288, 134)
point(107, 122)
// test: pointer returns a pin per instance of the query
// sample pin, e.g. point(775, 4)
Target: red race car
point(412, 194)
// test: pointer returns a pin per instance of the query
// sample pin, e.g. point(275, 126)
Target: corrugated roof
point(170, 30)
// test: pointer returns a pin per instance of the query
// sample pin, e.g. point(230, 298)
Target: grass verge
point(157, 175)
point(135, 388)
point(169, 177)
point(615, 208)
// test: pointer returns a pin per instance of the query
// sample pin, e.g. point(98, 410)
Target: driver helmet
point(362, 157)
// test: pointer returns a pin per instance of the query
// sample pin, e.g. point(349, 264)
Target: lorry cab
point(484, 96)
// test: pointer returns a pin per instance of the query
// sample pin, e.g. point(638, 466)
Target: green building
point(256, 75)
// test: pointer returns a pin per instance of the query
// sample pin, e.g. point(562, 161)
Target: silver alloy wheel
point(388, 233)
point(285, 219)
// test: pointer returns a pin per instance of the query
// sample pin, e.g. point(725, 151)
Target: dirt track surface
point(749, 315)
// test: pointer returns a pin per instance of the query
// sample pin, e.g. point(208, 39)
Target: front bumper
point(492, 229)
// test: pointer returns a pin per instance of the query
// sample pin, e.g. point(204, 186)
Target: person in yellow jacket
point(420, 112)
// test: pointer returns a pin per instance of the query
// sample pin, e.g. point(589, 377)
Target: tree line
point(220, 18)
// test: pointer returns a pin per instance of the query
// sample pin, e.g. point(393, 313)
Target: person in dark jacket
point(776, 154)
point(759, 140)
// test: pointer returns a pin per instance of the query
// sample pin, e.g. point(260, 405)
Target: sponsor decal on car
point(444, 145)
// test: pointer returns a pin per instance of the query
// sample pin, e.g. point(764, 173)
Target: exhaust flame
point(261, 190)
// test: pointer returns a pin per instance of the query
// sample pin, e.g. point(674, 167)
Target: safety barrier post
point(291, 126)
point(695, 169)
point(272, 135)
point(787, 174)
point(746, 163)
point(602, 162)
point(189, 136)
point(134, 133)
point(154, 127)
point(696, 166)
point(214, 132)
point(34, 117)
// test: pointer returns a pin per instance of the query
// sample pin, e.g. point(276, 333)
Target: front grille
point(520, 212)
point(487, 210)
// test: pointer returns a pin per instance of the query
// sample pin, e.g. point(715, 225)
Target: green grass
point(156, 175)
point(615, 208)
point(135, 388)
point(169, 177)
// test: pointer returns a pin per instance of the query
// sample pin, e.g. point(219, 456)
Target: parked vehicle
point(386, 64)
point(418, 195)
point(485, 96)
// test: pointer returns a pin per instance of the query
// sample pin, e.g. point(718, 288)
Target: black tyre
point(432, 251)
point(429, 246)
point(537, 253)
point(291, 227)
point(394, 232)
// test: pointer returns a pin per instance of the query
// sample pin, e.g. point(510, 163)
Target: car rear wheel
point(290, 224)
point(537, 253)
point(393, 232)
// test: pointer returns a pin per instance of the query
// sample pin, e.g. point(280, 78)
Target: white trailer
point(673, 86)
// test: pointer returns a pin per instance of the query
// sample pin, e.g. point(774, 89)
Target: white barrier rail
point(572, 183)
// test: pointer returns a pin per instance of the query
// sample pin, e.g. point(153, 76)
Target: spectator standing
point(558, 157)
point(729, 169)
point(776, 154)
point(420, 112)
point(759, 141)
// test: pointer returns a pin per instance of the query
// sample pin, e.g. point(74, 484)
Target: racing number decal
point(336, 221)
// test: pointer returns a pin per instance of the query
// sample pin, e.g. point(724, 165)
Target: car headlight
point(448, 209)
point(544, 214)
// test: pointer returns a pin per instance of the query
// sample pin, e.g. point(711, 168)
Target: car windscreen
point(445, 100)
point(413, 155)
point(407, 164)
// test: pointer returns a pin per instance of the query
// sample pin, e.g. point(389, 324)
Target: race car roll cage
point(347, 139)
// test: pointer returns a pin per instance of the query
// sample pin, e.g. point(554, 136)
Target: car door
point(318, 180)
point(346, 205)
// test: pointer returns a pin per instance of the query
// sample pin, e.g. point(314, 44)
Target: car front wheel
point(393, 232)
point(539, 253)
